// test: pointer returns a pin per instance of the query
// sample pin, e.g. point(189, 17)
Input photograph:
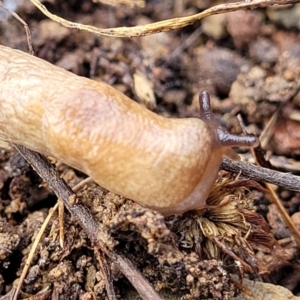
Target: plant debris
point(194, 254)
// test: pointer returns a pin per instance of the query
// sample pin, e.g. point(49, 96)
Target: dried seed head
point(227, 226)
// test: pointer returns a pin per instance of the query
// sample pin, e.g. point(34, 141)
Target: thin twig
point(27, 30)
point(187, 42)
point(32, 251)
point(86, 220)
point(287, 219)
point(132, 3)
point(261, 161)
point(61, 223)
point(286, 180)
point(166, 25)
point(106, 271)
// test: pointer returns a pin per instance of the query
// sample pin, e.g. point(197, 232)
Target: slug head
point(223, 138)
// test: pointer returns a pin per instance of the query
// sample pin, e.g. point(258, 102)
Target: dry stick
point(104, 267)
point(32, 251)
point(87, 221)
point(107, 274)
point(287, 219)
point(61, 222)
point(187, 42)
point(132, 3)
point(286, 180)
point(165, 25)
point(260, 161)
point(27, 30)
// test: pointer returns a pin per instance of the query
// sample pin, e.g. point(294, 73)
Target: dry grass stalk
point(166, 25)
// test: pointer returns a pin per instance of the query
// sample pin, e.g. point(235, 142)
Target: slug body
point(165, 164)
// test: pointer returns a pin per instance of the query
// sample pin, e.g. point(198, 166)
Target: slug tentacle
point(223, 137)
point(205, 109)
point(228, 139)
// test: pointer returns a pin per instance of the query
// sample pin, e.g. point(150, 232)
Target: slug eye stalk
point(224, 137)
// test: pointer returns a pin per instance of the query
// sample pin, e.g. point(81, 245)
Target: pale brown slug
point(165, 164)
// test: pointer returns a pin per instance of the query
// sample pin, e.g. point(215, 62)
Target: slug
point(166, 164)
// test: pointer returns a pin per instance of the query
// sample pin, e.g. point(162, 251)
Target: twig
point(32, 251)
point(107, 274)
point(261, 161)
point(286, 180)
point(187, 42)
point(86, 220)
point(287, 219)
point(128, 268)
point(27, 30)
point(132, 3)
point(166, 25)
point(61, 222)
